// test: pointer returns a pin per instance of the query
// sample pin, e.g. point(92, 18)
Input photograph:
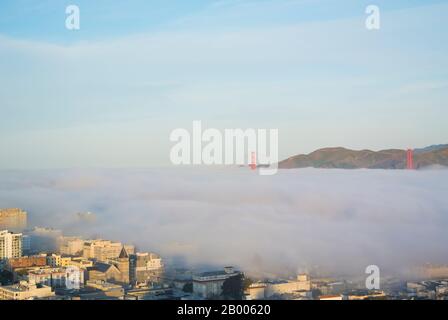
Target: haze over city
point(339, 220)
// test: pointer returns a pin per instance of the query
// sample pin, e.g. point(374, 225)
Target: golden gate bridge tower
point(410, 159)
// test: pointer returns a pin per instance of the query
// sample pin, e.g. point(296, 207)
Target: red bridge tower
point(410, 159)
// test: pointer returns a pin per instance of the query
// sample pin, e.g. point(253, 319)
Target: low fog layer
point(335, 220)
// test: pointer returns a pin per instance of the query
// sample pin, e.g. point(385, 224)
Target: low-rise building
point(116, 271)
point(52, 277)
point(26, 262)
point(56, 260)
point(109, 289)
point(265, 290)
point(367, 295)
point(81, 263)
point(25, 291)
point(13, 219)
point(333, 297)
point(209, 284)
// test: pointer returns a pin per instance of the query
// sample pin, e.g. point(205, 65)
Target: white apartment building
point(10, 245)
point(51, 277)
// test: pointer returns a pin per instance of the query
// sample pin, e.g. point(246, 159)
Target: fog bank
point(336, 220)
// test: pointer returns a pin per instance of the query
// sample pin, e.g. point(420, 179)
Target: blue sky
point(109, 94)
point(44, 20)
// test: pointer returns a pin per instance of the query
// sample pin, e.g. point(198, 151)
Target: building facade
point(71, 246)
point(51, 277)
point(13, 219)
point(26, 262)
point(146, 267)
point(10, 245)
point(104, 250)
point(208, 285)
point(25, 291)
point(56, 260)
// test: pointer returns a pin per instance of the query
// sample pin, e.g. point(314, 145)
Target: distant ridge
point(431, 148)
point(343, 158)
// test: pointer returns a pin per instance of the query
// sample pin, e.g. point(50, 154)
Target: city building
point(56, 260)
point(103, 250)
point(13, 219)
point(150, 293)
point(366, 295)
point(265, 290)
point(432, 272)
point(122, 264)
point(10, 245)
point(26, 244)
point(333, 297)
point(19, 267)
point(52, 277)
point(146, 268)
point(428, 289)
point(209, 284)
point(71, 246)
point(109, 290)
point(81, 263)
point(256, 291)
point(115, 271)
point(25, 291)
point(26, 262)
point(302, 283)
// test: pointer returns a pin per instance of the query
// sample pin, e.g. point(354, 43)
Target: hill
point(352, 159)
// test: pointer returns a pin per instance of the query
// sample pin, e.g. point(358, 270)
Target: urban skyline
point(58, 267)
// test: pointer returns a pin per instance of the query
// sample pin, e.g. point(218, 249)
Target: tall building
point(26, 244)
point(13, 219)
point(10, 245)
